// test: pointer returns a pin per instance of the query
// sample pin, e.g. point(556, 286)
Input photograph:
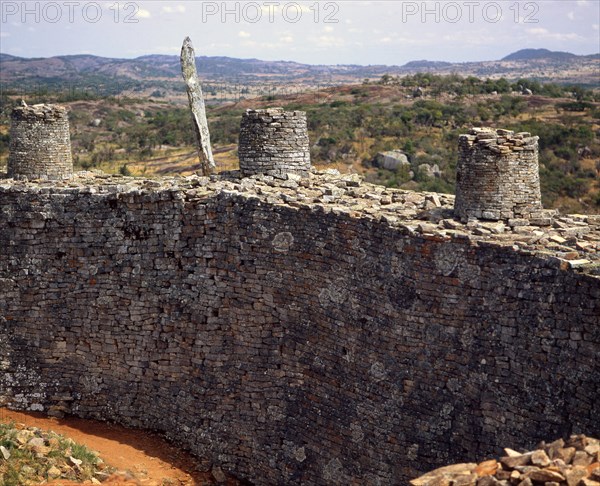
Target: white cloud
point(328, 28)
point(243, 34)
point(385, 40)
point(583, 3)
point(545, 34)
point(328, 41)
point(286, 39)
point(538, 31)
point(174, 9)
point(4, 34)
point(563, 37)
point(571, 16)
point(142, 13)
point(596, 26)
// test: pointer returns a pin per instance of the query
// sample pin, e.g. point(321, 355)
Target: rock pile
point(575, 462)
point(29, 455)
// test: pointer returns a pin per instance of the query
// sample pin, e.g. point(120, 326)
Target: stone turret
point(497, 176)
point(40, 144)
point(274, 142)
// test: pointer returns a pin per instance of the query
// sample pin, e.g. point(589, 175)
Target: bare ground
point(144, 458)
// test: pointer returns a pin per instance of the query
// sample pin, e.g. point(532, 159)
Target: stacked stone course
point(319, 331)
point(497, 176)
point(40, 143)
point(274, 142)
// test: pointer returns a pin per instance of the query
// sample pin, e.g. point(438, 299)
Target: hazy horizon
point(268, 60)
point(326, 32)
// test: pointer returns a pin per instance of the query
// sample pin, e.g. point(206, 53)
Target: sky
point(313, 32)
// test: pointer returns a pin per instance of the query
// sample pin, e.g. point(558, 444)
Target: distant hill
point(7, 57)
point(110, 76)
point(530, 54)
point(423, 64)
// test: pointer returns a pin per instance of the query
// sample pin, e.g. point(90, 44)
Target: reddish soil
point(145, 458)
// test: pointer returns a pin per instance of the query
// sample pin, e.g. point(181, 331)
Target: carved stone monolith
point(194, 91)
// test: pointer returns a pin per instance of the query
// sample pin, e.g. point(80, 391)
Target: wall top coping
point(262, 112)
point(39, 112)
point(567, 241)
point(499, 140)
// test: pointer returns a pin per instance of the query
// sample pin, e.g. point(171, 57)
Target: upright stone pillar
point(497, 176)
point(196, 101)
point(274, 142)
point(40, 144)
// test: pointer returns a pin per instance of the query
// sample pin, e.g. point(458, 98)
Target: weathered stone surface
point(430, 171)
point(514, 461)
point(487, 468)
point(545, 475)
point(392, 159)
point(40, 143)
point(526, 482)
point(582, 458)
point(274, 142)
point(575, 475)
point(497, 176)
point(589, 482)
point(290, 341)
point(540, 458)
point(446, 473)
point(5, 453)
point(566, 454)
point(196, 101)
point(487, 481)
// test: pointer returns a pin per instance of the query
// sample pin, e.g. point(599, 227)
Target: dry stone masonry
point(40, 144)
point(497, 175)
point(575, 462)
point(274, 142)
point(315, 330)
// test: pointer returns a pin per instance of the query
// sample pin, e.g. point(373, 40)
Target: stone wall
point(497, 176)
point(296, 332)
point(40, 144)
point(274, 142)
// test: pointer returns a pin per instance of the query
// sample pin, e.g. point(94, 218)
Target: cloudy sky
point(315, 32)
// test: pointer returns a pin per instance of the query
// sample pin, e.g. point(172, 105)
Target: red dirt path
point(152, 460)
